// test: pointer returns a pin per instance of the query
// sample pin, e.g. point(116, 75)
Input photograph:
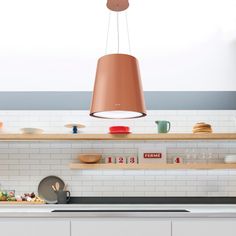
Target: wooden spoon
point(53, 187)
point(57, 186)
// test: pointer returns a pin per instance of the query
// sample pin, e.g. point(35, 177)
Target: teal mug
point(163, 126)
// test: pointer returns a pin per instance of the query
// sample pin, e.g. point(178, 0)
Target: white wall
point(182, 121)
point(24, 164)
point(55, 44)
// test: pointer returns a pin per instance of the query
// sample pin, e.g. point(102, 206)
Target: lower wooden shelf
point(197, 166)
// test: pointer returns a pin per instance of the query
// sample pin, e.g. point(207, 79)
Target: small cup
point(63, 197)
point(163, 126)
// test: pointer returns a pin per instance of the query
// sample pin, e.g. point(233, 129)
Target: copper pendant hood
point(117, 90)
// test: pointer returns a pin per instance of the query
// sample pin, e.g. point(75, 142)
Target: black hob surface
point(91, 211)
point(152, 200)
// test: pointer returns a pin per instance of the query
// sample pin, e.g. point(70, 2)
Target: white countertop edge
point(44, 211)
point(117, 215)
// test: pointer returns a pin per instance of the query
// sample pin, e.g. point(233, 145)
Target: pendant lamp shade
point(118, 89)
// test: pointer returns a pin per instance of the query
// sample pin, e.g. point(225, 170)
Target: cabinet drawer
point(201, 227)
point(34, 227)
point(120, 227)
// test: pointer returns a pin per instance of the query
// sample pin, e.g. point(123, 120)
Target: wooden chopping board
point(21, 203)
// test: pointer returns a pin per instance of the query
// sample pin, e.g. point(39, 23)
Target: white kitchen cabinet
point(34, 227)
point(207, 227)
point(120, 227)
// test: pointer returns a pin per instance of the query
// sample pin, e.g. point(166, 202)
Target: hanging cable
point(118, 32)
point(108, 29)
point(127, 28)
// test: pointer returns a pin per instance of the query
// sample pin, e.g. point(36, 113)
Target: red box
point(152, 155)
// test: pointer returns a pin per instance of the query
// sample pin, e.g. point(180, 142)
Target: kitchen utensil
point(163, 126)
point(21, 203)
point(90, 158)
point(31, 131)
point(53, 187)
point(63, 197)
point(57, 185)
point(74, 127)
point(230, 159)
point(45, 190)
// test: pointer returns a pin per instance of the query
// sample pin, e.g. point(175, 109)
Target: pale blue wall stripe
point(155, 100)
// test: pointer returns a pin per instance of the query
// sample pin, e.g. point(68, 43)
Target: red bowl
point(119, 129)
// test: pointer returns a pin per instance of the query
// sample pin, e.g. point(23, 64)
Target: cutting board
point(21, 203)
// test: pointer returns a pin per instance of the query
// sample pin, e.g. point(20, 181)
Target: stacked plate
point(202, 127)
point(31, 131)
point(45, 190)
point(119, 130)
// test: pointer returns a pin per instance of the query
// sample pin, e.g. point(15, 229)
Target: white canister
point(110, 159)
point(120, 160)
point(132, 159)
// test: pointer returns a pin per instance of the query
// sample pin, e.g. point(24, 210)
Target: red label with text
point(152, 155)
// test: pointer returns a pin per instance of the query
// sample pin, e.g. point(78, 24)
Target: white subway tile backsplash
point(24, 164)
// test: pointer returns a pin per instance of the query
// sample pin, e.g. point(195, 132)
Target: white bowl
point(230, 159)
point(31, 131)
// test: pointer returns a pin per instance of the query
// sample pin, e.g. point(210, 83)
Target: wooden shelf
point(170, 136)
point(197, 166)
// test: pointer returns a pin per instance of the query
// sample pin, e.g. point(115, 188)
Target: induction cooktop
point(158, 210)
point(151, 200)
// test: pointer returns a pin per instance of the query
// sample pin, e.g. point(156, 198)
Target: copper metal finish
point(118, 87)
point(117, 5)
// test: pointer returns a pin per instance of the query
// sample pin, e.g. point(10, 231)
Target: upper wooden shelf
point(170, 136)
